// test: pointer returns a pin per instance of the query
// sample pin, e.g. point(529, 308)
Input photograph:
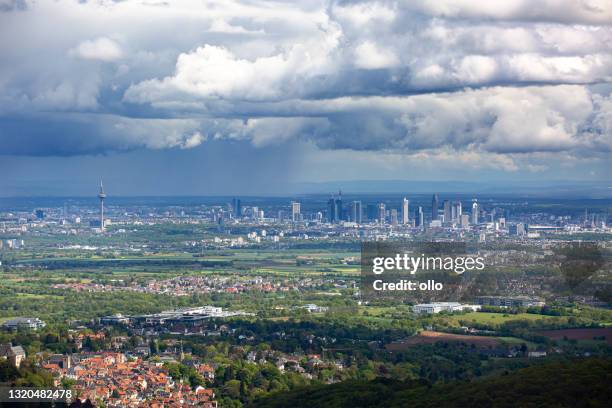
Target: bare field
point(430, 337)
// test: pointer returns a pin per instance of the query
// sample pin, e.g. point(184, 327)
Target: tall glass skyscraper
point(434, 207)
point(356, 212)
point(405, 211)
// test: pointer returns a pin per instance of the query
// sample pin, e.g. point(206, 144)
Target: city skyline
point(384, 210)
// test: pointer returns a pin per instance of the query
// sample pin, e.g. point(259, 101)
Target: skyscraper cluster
point(441, 213)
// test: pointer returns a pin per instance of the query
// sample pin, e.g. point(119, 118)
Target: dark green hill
point(578, 383)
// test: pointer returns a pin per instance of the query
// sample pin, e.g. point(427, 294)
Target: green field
point(496, 318)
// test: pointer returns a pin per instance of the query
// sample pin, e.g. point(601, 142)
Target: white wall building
point(432, 308)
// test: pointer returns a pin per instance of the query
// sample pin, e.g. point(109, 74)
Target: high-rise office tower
point(339, 209)
point(447, 211)
point(356, 212)
point(295, 211)
point(381, 213)
point(332, 211)
point(237, 207)
point(372, 212)
point(394, 217)
point(419, 217)
point(101, 196)
point(405, 211)
point(456, 211)
point(434, 207)
point(475, 212)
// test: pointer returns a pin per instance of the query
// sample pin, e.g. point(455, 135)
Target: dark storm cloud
point(12, 5)
point(69, 135)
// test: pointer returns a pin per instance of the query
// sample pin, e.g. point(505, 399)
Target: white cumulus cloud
point(102, 49)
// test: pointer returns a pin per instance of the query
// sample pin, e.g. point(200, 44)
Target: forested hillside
point(583, 383)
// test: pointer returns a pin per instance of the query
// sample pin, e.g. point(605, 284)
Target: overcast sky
point(248, 97)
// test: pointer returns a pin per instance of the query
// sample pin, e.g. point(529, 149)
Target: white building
point(23, 322)
point(312, 308)
point(432, 308)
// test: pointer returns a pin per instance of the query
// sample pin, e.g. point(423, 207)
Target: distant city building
point(332, 215)
point(237, 207)
point(356, 212)
point(475, 211)
point(456, 211)
point(435, 223)
point(40, 214)
point(434, 207)
point(23, 323)
point(192, 316)
point(339, 207)
point(419, 217)
point(372, 212)
point(518, 229)
point(381, 213)
point(114, 319)
point(312, 308)
point(334, 209)
point(509, 301)
point(101, 196)
point(394, 219)
point(447, 211)
point(14, 243)
point(465, 221)
point(295, 211)
point(405, 211)
point(432, 308)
